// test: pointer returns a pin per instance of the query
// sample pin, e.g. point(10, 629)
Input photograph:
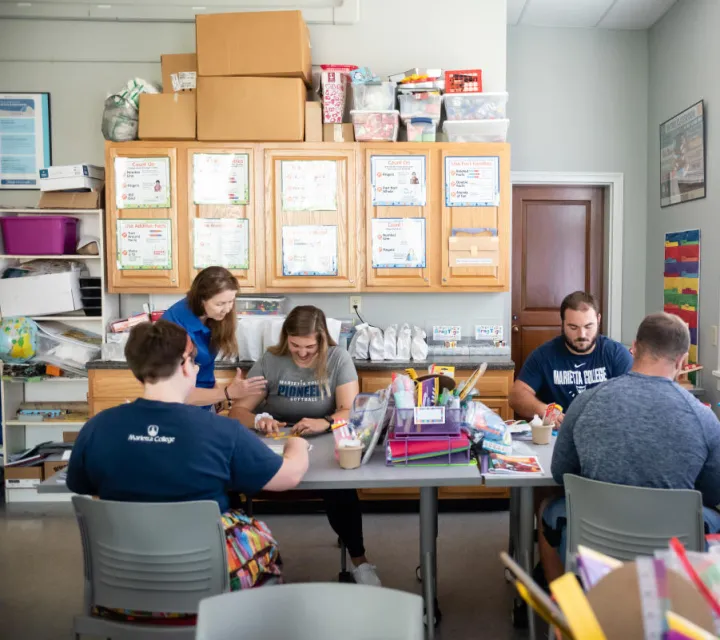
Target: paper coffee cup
point(542, 434)
point(350, 457)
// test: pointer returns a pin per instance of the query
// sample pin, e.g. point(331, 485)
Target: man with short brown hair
point(566, 366)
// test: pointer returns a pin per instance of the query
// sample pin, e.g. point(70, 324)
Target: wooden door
point(295, 210)
point(149, 278)
point(209, 218)
point(470, 221)
point(557, 249)
point(377, 161)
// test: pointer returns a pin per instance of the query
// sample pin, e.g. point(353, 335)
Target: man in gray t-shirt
point(641, 429)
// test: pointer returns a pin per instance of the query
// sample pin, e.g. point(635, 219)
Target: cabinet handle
point(444, 279)
point(426, 279)
point(351, 281)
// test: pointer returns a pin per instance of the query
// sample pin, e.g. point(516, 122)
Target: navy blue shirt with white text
point(150, 451)
point(558, 375)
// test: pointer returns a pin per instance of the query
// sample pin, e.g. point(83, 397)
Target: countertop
point(498, 363)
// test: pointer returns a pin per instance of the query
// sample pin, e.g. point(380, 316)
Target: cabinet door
point(390, 176)
point(221, 212)
point(311, 223)
point(459, 215)
point(157, 267)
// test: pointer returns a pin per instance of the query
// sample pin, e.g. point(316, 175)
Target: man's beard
point(583, 347)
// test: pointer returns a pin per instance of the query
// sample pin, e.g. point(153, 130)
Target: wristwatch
point(331, 421)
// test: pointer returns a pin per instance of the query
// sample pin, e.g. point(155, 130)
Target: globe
point(18, 339)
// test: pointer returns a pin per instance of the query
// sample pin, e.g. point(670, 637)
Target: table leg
point(514, 523)
point(428, 554)
point(526, 527)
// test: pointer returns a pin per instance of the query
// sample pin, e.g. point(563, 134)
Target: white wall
point(80, 63)
point(578, 102)
point(683, 48)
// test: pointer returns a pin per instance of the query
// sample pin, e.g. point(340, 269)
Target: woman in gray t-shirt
point(311, 383)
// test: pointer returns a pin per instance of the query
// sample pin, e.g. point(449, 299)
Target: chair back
point(151, 556)
point(625, 522)
point(312, 612)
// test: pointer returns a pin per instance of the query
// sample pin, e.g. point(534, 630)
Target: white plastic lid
point(475, 126)
point(500, 94)
point(354, 111)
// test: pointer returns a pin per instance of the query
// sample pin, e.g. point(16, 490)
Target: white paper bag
point(360, 343)
point(249, 333)
point(334, 327)
point(391, 342)
point(418, 346)
point(271, 331)
point(403, 342)
point(377, 344)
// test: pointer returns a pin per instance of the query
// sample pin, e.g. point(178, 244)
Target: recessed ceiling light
point(24, 4)
point(199, 8)
point(104, 6)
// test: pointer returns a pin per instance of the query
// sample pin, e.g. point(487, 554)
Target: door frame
point(614, 209)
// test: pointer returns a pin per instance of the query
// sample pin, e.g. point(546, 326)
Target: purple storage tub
point(440, 459)
point(405, 424)
point(40, 235)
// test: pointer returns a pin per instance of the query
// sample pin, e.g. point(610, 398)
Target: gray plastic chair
point(148, 557)
point(322, 611)
point(625, 522)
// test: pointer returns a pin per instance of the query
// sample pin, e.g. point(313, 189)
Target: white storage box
point(73, 171)
point(420, 105)
point(476, 130)
point(476, 106)
point(374, 97)
point(375, 126)
point(40, 295)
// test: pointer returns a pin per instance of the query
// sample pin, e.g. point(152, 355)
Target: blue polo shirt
point(151, 451)
point(181, 314)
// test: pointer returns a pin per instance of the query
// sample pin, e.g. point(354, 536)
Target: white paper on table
point(472, 181)
point(142, 183)
point(221, 178)
point(309, 185)
point(144, 244)
point(309, 250)
point(398, 181)
point(398, 243)
point(221, 241)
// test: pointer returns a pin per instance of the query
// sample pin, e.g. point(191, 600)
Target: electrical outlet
point(355, 304)
point(714, 332)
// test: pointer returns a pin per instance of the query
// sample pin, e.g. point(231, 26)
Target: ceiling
point(589, 14)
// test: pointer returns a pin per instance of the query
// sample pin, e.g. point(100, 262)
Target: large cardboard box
point(250, 109)
point(167, 116)
point(48, 294)
point(261, 43)
point(179, 72)
point(71, 199)
point(313, 122)
point(53, 464)
point(23, 477)
point(338, 133)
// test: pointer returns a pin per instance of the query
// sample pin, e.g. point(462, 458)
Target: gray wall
point(578, 102)
point(684, 48)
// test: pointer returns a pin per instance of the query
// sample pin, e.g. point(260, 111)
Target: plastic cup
point(542, 434)
point(350, 457)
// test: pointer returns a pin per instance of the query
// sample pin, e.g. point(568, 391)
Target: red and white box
point(334, 91)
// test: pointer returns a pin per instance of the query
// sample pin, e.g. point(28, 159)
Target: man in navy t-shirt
point(566, 366)
point(158, 449)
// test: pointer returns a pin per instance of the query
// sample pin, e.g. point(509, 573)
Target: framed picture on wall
point(682, 156)
point(25, 143)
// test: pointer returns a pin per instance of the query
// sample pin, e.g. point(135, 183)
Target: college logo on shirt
point(580, 378)
point(299, 391)
point(152, 436)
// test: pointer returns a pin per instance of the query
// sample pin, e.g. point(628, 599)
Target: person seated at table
point(641, 429)
point(566, 366)
point(311, 383)
point(159, 449)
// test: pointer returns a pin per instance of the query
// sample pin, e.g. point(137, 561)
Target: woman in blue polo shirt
point(207, 313)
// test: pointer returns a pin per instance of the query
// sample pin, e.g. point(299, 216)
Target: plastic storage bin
point(265, 306)
point(420, 105)
point(476, 130)
point(375, 126)
point(399, 451)
point(66, 347)
point(476, 106)
point(40, 235)
point(405, 424)
point(421, 130)
point(374, 97)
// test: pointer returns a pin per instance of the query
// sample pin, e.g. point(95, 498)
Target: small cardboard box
point(474, 251)
point(167, 116)
point(23, 477)
point(179, 72)
point(250, 109)
point(338, 133)
point(258, 43)
point(40, 295)
point(71, 200)
point(70, 436)
point(52, 465)
point(313, 122)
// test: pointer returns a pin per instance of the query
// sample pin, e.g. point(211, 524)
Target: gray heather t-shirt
point(642, 431)
point(294, 393)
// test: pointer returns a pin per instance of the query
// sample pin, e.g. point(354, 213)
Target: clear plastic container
point(375, 126)
point(420, 105)
point(261, 306)
point(67, 347)
point(421, 130)
point(476, 106)
point(374, 97)
point(476, 130)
